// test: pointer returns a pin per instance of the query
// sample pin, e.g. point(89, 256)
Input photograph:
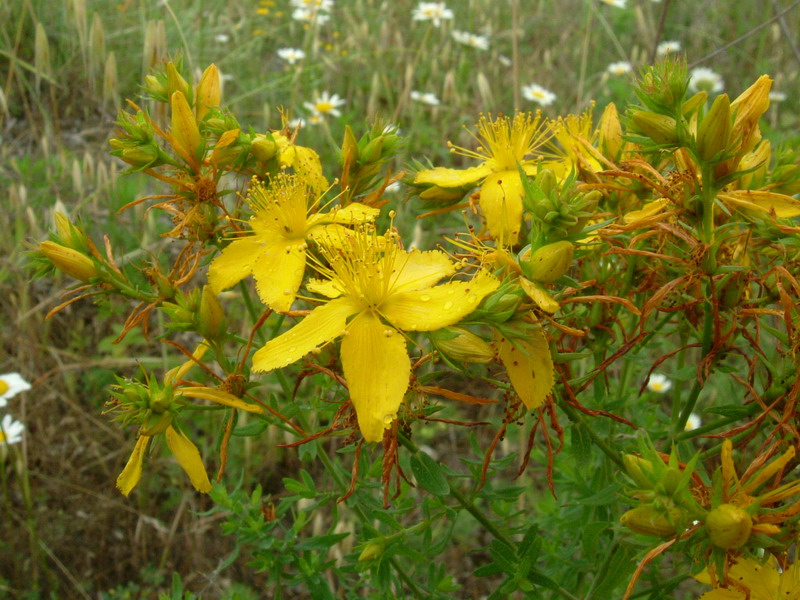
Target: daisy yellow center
point(3, 387)
point(505, 141)
point(657, 386)
point(2, 437)
point(324, 107)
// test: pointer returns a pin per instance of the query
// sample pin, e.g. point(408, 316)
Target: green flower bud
point(728, 526)
point(550, 262)
point(659, 128)
point(463, 345)
point(714, 132)
point(648, 520)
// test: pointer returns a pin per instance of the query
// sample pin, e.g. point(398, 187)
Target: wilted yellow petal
point(377, 368)
point(188, 458)
point(453, 178)
point(729, 478)
point(218, 396)
point(417, 270)
point(278, 271)
point(234, 263)
point(768, 471)
point(538, 294)
point(132, 472)
point(648, 210)
point(529, 366)
point(325, 323)
point(436, 307)
point(501, 204)
point(784, 207)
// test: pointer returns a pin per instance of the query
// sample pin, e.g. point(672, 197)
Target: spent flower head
point(436, 12)
point(538, 94)
point(11, 384)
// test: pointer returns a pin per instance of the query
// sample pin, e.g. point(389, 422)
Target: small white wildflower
point(619, 68)
point(291, 55)
point(298, 122)
point(536, 93)
point(11, 384)
point(10, 431)
point(481, 42)
point(393, 188)
point(705, 79)
point(428, 98)
point(616, 3)
point(325, 104)
point(693, 422)
point(323, 5)
point(310, 16)
point(668, 47)
point(659, 383)
point(222, 38)
point(504, 60)
point(776, 96)
point(436, 12)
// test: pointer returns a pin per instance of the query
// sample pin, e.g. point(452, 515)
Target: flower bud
point(659, 128)
point(184, 125)
point(175, 82)
point(140, 156)
point(208, 92)
point(640, 470)
point(263, 147)
point(211, 320)
point(714, 132)
point(154, 86)
point(728, 526)
point(610, 132)
point(373, 550)
point(648, 520)
point(550, 262)
point(463, 345)
point(70, 261)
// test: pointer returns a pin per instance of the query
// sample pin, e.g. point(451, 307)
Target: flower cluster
point(11, 430)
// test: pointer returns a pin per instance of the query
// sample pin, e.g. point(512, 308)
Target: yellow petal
point(179, 372)
point(648, 210)
point(188, 457)
point(784, 207)
point(723, 594)
point(539, 295)
point(306, 164)
point(324, 287)
point(132, 472)
point(436, 307)
point(763, 580)
point(529, 366)
point(453, 178)
point(325, 323)
point(417, 270)
point(377, 368)
point(501, 204)
point(234, 263)
point(278, 271)
point(729, 478)
point(355, 212)
point(220, 397)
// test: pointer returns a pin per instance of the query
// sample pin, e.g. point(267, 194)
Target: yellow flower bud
point(640, 470)
point(647, 520)
point(139, 155)
point(728, 526)
point(70, 261)
point(211, 316)
point(610, 132)
point(714, 132)
point(175, 82)
point(263, 147)
point(660, 128)
point(153, 85)
point(372, 550)
point(461, 344)
point(550, 262)
point(208, 92)
point(184, 125)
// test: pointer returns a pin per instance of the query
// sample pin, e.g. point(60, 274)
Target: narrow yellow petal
point(417, 270)
point(784, 207)
point(648, 210)
point(132, 472)
point(729, 478)
point(751, 485)
point(325, 323)
point(188, 457)
point(184, 125)
point(377, 368)
point(278, 271)
point(453, 178)
point(234, 263)
point(436, 307)
point(355, 212)
point(501, 204)
point(324, 287)
point(218, 396)
point(179, 372)
point(529, 366)
point(538, 294)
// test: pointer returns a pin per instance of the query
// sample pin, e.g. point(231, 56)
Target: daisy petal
point(188, 457)
point(377, 368)
point(325, 323)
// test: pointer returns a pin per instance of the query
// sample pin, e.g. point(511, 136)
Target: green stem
point(691, 401)
point(576, 418)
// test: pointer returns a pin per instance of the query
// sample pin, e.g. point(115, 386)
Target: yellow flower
point(377, 291)
point(764, 582)
point(162, 405)
point(506, 144)
point(275, 253)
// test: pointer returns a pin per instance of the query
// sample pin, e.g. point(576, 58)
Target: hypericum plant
point(590, 256)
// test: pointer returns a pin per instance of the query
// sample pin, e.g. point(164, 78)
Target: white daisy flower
point(658, 383)
point(323, 5)
point(291, 55)
point(776, 96)
point(310, 15)
point(619, 68)
point(436, 12)
point(222, 38)
point(536, 93)
point(10, 431)
point(324, 104)
point(668, 47)
point(705, 79)
point(481, 42)
point(428, 98)
point(11, 384)
point(693, 422)
point(295, 123)
point(616, 3)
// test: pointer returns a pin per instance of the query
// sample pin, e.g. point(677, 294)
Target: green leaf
point(620, 568)
point(429, 474)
